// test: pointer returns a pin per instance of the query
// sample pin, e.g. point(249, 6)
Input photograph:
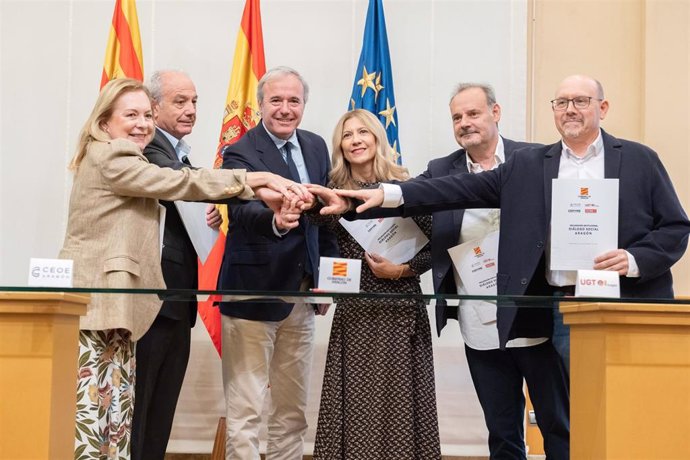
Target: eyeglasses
point(579, 102)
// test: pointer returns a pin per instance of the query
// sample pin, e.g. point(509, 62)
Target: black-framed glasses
point(579, 102)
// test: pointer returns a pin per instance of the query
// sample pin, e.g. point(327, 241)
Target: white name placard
point(597, 283)
point(339, 275)
point(50, 272)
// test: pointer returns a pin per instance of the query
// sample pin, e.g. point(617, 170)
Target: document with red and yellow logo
point(475, 262)
point(339, 275)
point(397, 239)
point(584, 221)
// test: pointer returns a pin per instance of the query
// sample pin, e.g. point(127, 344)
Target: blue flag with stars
point(373, 87)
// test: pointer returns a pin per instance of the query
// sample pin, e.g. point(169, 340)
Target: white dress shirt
point(477, 317)
point(589, 166)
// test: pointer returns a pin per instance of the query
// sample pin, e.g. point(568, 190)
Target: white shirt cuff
point(277, 232)
point(392, 195)
point(633, 269)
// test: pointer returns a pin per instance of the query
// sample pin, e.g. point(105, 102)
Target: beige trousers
point(262, 356)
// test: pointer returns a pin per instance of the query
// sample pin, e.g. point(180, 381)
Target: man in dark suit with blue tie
point(272, 341)
point(163, 352)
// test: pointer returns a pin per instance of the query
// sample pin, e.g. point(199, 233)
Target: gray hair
point(277, 72)
point(155, 84)
point(488, 91)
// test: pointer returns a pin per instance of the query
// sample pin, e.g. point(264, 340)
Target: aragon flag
point(241, 114)
point(373, 86)
point(123, 56)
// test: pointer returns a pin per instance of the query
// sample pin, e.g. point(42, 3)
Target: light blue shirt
point(297, 158)
point(295, 151)
point(182, 149)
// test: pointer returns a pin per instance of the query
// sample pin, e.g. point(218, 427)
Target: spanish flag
point(123, 56)
point(240, 115)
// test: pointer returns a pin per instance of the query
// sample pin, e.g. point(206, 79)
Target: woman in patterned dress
point(378, 399)
point(113, 238)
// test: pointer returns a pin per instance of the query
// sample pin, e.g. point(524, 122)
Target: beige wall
point(640, 51)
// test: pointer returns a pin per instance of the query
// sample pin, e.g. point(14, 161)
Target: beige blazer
point(113, 232)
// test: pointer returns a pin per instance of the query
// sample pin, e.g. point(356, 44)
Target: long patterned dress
point(378, 399)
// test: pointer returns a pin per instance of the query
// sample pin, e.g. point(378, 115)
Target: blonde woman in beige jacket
point(113, 238)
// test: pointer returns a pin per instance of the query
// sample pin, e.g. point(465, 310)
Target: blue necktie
point(308, 231)
point(294, 174)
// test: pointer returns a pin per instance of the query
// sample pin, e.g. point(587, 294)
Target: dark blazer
point(178, 259)
point(256, 259)
point(446, 226)
point(652, 224)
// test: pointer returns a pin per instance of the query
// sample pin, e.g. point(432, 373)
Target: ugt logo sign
point(593, 282)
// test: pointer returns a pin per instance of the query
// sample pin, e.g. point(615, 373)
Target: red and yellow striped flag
point(241, 114)
point(339, 269)
point(123, 56)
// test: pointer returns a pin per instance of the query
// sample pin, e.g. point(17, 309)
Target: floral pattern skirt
point(105, 395)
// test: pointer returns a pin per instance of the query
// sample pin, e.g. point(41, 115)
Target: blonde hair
point(385, 169)
point(93, 128)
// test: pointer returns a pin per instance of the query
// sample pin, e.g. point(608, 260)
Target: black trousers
point(162, 355)
point(498, 379)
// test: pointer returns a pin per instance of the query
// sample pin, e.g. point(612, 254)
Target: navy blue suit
point(652, 224)
point(255, 258)
point(498, 375)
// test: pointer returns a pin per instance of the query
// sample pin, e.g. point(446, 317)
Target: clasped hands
point(297, 198)
point(334, 202)
point(288, 199)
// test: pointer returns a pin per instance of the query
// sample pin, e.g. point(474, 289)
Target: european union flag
point(373, 87)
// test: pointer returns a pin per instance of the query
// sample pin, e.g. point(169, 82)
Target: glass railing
point(333, 297)
point(636, 362)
